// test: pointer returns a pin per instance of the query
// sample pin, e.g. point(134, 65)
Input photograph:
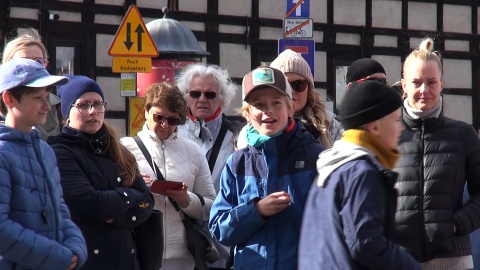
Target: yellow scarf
point(387, 157)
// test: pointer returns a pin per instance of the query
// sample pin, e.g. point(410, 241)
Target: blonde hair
point(424, 52)
point(20, 42)
point(246, 109)
point(315, 113)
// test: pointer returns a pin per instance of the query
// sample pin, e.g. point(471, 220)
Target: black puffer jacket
point(438, 156)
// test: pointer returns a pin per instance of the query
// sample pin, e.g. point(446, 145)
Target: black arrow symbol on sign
point(129, 42)
point(139, 31)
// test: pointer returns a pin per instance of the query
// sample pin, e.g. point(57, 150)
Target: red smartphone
point(161, 187)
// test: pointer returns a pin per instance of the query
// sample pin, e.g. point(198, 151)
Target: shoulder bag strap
point(218, 143)
point(148, 157)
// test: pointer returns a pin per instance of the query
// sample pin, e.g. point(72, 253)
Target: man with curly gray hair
point(209, 90)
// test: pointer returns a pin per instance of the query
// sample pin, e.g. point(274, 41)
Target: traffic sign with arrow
point(298, 8)
point(133, 38)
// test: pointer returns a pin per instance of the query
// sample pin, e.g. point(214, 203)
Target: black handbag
point(199, 241)
point(148, 238)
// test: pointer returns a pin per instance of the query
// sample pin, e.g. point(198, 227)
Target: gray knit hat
point(290, 61)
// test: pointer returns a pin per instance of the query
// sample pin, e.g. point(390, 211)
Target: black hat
point(362, 68)
point(366, 102)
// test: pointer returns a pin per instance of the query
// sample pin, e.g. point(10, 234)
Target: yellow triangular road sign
point(133, 38)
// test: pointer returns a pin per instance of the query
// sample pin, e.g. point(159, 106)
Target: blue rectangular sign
point(301, 10)
point(305, 47)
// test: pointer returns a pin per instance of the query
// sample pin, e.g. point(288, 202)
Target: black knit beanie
point(366, 102)
point(363, 68)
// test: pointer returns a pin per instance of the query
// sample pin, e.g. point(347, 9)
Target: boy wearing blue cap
point(35, 227)
point(263, 187)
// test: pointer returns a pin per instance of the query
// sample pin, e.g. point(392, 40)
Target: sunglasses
point(172, 121)
point(380, 80)
point(299, 85)
point(198, 94)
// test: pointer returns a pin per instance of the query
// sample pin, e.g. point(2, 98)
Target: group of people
point(377, 187)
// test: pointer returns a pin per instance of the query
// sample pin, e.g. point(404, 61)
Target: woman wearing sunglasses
point(177, 159)
point(308, 104)
point(30, 46)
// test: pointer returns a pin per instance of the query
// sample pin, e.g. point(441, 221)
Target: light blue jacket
point(30, 193)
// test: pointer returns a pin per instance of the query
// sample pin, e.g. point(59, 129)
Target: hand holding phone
point(161, 187)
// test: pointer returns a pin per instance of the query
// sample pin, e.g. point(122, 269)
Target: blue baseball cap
point(26, 72)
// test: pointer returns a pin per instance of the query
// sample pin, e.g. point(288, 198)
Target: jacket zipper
point(422, 180)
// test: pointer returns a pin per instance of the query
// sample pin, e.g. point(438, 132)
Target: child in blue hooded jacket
point(36, 231)
point(349, 217)
point(263, 187)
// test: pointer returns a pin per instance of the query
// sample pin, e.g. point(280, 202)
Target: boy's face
point(389, 129)
point(268, 111)
point(31, 110)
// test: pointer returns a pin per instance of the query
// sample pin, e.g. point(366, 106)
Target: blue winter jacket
point(348, 221)
point(35, 227)
point(283, 163)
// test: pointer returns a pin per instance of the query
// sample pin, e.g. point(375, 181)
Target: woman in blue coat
point(100, 178)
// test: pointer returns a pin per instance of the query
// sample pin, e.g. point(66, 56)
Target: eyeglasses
point(380, 80)
point(299, 85)
point(41, 60)
point(172, 121)
point(197, 94)
point(86, 107)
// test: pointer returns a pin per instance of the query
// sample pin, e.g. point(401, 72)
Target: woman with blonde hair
point(439, 156)
point(309, 106)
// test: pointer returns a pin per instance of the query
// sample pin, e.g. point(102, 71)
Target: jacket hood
point(67, 136)
point(98, 142)
point(341, 153)
point(299, 134)
point(10, 134)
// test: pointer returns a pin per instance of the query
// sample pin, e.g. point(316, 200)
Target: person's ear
point(8, 99)
point(294, 107)
point(404, 85)
point(349, 85)
point(373, 128)
point(145, 114)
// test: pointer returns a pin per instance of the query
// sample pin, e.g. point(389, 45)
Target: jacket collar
point(208, 119)
point(428, 124)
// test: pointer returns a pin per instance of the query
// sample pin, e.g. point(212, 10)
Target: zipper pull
point(45, 215)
